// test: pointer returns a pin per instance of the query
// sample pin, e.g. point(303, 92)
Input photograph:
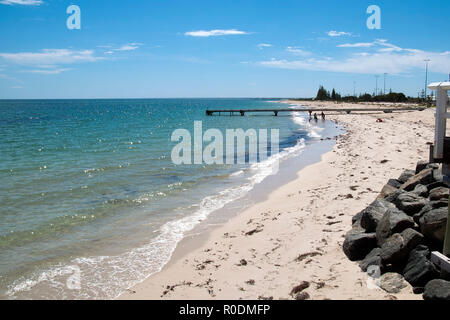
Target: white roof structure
point(441, 85)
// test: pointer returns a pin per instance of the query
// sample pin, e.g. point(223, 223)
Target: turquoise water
point(88, 188)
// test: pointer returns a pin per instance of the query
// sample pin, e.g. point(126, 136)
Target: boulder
point(433, 166)
point(430, 206)
point(373, 214)
point(439, 193)
point(392, 282)
point(419, 269)
point(421, 191)
point(406, 175)
point(393, 221)
point(397, 248)
point(394, 183)
point(423, 177)
point(436, 184)
point(433, 224)
point(421, 165)
point(437, 175)
point(356, 220)
point(386, 192)
point(410, 203)
point(358, 244)
point(393, 197)
point(437, 289)
point(372, 259)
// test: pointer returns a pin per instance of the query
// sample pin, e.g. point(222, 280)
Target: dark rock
point(437, 175)
point(419, 269)
point(394, 183)
point(398, 246)
point(302, 296)
point(393, 197)
point(421, 191)
point(437, 289)
point(433, 224)
point(358, 244)
point(436, 184)
point(372, 259)
point(406, 175)
point(439, 193)
point(418, 290)
point(433, 166)
point(423, 177)
point(393, 221)
point(302, 286)
point(410, 203)
point(392, 282)
point(357, 219)
point(439, 204)
point(386, 192)
point(421, 165)
point(430, 206)
point(243, 262)
point(373, 214)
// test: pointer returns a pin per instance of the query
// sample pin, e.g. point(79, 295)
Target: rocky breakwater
point(394, 236)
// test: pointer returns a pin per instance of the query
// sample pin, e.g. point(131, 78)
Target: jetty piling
point(275, 112)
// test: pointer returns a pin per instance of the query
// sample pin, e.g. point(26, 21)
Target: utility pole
point(376, 85)
point(354, 88)
point(384, 90)
point(426, 77)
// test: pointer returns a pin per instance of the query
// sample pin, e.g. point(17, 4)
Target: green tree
point(322, 94)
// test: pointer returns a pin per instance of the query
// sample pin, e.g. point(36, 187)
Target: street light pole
point(426, 77)
point(376, 85)
point(384, 90)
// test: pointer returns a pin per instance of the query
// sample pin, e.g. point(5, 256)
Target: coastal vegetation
point(325, 95)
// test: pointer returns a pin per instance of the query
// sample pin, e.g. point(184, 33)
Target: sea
point(91, 202)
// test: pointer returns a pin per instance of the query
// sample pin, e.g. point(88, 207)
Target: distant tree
point(333, 95)
point(322, 94)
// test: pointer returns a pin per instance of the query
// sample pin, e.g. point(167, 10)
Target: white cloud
point(264, 45)
point(127, 48)
point(390, 58)
point(49, 61)
point(22, 2)
point(48, 71)
point(298, 51)
point(214, 33)
point(334, 33)
point(357, 45)
point(51, 57)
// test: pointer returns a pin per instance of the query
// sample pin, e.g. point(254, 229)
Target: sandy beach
point(296, 234)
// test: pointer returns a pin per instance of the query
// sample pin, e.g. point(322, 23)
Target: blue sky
point(150, 49)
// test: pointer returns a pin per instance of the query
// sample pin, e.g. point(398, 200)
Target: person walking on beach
point(323, 116)
point(315, 117)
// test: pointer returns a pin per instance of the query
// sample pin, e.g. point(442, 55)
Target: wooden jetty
point(242, 112)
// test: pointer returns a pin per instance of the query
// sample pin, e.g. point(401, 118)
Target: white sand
point(309, 215)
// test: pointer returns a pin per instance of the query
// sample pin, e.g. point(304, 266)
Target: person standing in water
point(315, 117)
point(323, 116)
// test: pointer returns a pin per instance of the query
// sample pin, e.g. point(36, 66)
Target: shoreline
point(193, 239)
point(262, 252)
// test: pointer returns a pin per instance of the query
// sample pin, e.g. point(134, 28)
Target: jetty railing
point(275, 112)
